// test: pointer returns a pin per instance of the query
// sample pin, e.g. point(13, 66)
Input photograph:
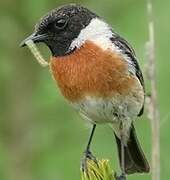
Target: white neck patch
point(98, 32)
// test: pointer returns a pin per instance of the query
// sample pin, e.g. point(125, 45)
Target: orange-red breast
point(98, 73)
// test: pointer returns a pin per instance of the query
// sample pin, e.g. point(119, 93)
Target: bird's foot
point(87, 156)
point(121, 177)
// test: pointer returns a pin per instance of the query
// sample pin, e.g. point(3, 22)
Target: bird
point(98, 73)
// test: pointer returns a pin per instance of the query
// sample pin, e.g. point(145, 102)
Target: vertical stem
point(153, 104)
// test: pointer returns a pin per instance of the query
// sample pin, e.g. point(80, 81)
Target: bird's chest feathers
point(91, 71)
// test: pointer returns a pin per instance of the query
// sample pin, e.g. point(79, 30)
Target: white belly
point(99, 110)
point(118, 111)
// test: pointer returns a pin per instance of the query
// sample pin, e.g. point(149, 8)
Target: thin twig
point(153, 110)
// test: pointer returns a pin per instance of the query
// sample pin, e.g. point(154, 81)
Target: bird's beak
point(35, 38)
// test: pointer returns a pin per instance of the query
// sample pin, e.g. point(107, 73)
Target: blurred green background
point(41, 137)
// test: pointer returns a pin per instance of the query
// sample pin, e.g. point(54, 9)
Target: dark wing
point(128, 50)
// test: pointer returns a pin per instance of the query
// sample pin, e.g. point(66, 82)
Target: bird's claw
point(87, 156)
point(121, 177)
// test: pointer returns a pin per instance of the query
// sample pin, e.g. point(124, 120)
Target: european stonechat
point(98, 73)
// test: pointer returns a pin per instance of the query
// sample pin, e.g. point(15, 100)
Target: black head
point(60, 27)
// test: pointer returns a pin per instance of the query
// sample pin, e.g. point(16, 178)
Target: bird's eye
point(60, 24)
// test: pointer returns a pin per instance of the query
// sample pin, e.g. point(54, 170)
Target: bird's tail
point(135, 160)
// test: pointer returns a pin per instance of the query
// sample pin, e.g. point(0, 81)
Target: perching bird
point(98, 73)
